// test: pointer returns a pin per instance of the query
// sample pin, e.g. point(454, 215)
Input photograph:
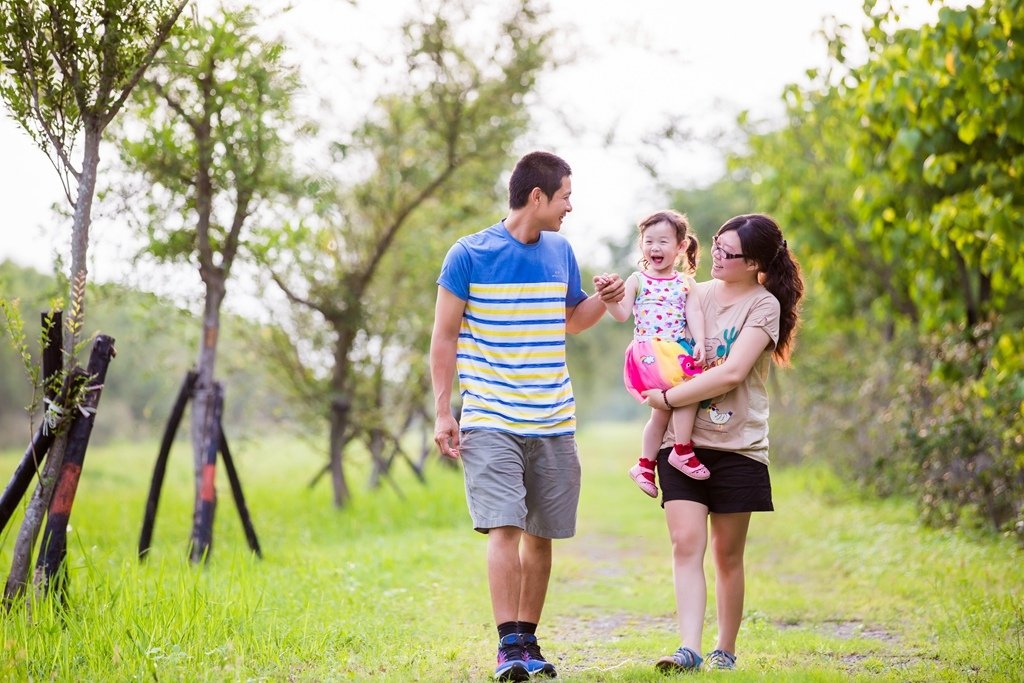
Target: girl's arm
point(748, 347)
point(695, 320)
point(623, 308)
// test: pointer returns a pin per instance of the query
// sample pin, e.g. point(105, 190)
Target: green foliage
point(209, 137)
point(71, 64)
point(420, 171)
point(898, 183)
point(15, 327)
point(66, 69)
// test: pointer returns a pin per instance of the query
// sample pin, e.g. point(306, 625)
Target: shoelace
point(510, 652)
point(533, 651)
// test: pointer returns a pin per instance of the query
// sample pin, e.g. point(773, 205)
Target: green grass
point(393, 588)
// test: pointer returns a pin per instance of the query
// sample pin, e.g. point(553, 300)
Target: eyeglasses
point(722, 253)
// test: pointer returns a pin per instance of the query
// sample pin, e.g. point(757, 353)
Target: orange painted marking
point(206, 487)
point(67, 485)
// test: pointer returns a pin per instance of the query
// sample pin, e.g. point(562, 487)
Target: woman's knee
point(687, 544)
point(728, 559)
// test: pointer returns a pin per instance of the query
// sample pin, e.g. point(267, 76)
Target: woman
point(750, 314)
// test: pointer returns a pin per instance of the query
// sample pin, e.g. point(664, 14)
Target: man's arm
point(590, 310)
point(444, 341)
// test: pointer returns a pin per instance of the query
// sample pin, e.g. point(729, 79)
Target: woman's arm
point(745, 351)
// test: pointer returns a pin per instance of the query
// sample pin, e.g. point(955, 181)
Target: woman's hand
point(655, 399)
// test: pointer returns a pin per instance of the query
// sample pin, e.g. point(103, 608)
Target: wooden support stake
point(44, 436)
point(53, 326)
point(27, 468)
point(236, 491)
point(160, 469)
point(54, 548)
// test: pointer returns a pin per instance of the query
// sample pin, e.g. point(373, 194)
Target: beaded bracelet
point(664, 397)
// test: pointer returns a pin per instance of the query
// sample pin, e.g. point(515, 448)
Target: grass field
point(392, 588)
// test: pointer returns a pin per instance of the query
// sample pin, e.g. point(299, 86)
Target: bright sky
point(638, 63)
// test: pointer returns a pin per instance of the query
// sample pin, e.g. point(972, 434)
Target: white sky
point(638, 62)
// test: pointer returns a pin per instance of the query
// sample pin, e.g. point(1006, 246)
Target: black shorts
point(737, 483)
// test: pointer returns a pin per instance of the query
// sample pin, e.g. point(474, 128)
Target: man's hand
point(446, 435)
point(610, 287)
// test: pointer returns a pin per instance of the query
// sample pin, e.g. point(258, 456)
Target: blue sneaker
point(720, 659)
point(683, 659)
point(511, 660)
point(535, 662)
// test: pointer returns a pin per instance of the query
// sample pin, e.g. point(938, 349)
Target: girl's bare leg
point(654, 432)
point(682, 422)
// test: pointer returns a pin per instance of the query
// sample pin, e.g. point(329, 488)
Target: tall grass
point(393, 588)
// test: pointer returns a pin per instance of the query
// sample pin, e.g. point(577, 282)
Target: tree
point(67, 67)
point(899, 183)
point(215, 113)
point(455, 126)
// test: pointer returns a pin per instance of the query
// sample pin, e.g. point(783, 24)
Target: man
point(506, 297)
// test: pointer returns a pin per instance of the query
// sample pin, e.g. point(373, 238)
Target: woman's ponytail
point(782, 278)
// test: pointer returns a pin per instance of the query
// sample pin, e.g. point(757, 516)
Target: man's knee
point(536, 548)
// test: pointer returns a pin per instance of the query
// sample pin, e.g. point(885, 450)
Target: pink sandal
point(644, 478)
point(698, 471)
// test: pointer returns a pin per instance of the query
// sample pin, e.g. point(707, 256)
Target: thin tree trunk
point(339, 423)
point(381, 465)
point(206, 499)
point(204, 422)
point(80, 240)
point(34, 514)
point(339, 413)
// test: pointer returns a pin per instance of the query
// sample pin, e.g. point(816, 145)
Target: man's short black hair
point(537, 169)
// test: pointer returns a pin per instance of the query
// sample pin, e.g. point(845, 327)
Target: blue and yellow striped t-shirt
point(511, 350)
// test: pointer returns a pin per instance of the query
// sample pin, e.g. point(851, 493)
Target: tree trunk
point(206, 499)
point(33, 520)
point(80, 240)
point(339, 424)
point(339, 413)
point(203, 401)
point(381, 465)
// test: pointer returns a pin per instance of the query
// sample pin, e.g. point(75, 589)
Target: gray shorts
point(524, 481)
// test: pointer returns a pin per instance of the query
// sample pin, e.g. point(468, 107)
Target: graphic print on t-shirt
point(716, 349)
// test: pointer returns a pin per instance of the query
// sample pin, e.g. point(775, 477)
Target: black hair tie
point(782, 248)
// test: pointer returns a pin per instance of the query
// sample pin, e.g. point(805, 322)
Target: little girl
point(665, 307)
